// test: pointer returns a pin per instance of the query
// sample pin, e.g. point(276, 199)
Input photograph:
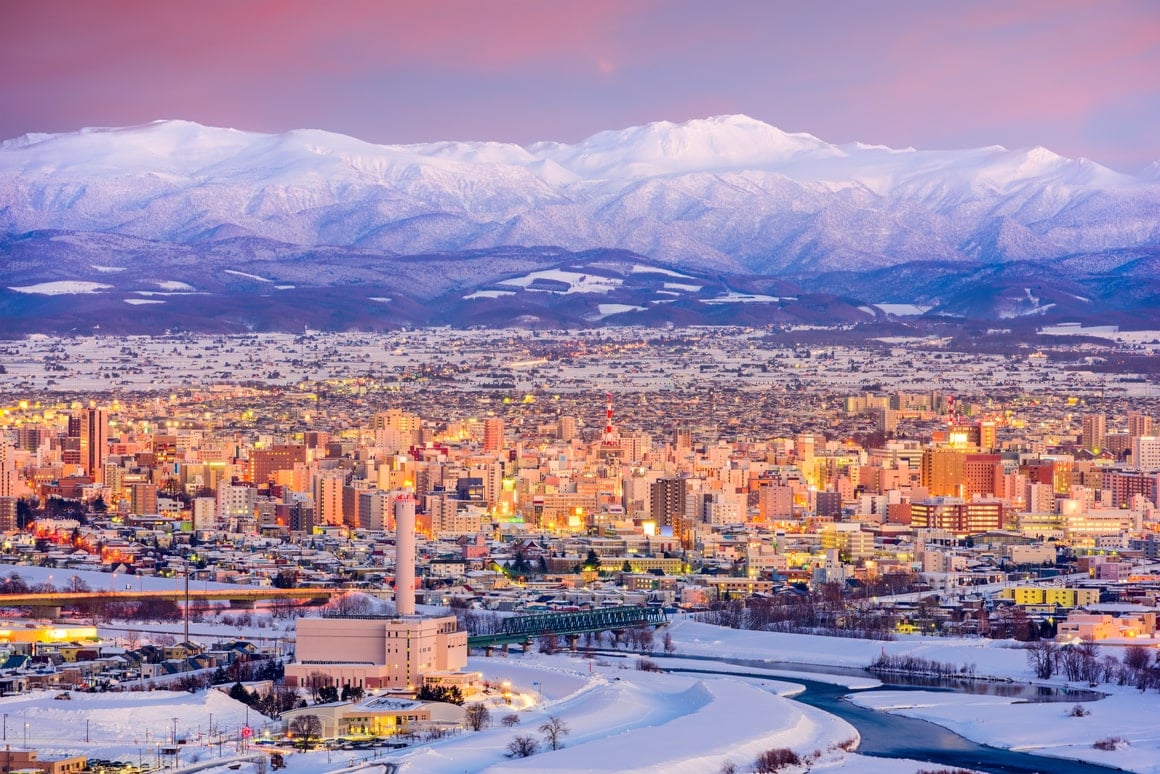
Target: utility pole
point(187, 599)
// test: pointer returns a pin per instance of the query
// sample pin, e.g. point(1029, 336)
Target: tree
point(592, 561)
point(305, 730)
point(328, 694)
point(509, 720)
point(522, 747)
point(477, 716)
point(238, 692)
point(669, 645)
point(553, 729)
point(775, 760)
point(1043, 657)
point(449, 695)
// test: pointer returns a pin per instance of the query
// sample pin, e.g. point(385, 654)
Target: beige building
point(1102, 626)
point(379, 716)
point(375, 652)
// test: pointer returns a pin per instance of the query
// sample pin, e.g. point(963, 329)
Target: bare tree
point(522, 747)
point(509, 720)
point(1043, 657)
point(554, 728)
point(477, 716)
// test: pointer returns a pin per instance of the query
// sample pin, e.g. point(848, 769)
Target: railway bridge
point(571, 624)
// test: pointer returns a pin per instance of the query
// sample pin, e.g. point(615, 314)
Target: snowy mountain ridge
point(728, 192)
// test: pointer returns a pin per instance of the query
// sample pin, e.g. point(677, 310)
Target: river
point(885, 735)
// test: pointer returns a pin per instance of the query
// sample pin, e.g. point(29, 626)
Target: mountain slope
point(728, 193)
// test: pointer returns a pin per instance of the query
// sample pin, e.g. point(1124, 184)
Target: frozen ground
point(626, 720)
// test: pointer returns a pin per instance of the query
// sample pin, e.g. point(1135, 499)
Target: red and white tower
point(610, 438)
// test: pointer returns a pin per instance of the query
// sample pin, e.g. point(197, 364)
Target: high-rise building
point(143, 499)
point(493, 434)
point(1139, 424)
point(94, 435)
point(566, 428)
point(1095, 431)
point(943, 471)
point(327, 490)
point(7, 469)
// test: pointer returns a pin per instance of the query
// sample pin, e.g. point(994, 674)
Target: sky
point(1081, 78)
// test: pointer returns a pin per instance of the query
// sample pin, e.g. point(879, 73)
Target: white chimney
point(405, 554)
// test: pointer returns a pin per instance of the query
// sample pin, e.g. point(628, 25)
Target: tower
point(405, 554)
point(609, 439)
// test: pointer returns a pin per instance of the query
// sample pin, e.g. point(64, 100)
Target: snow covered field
point(627, 720)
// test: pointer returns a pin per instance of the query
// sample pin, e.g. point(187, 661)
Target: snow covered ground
point(627, 720)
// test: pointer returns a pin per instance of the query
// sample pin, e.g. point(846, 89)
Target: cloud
point(900, 72)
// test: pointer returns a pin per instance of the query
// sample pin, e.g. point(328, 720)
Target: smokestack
point(405, 554)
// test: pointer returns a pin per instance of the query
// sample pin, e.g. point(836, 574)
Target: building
point(1093, 627)
point(94, 442)
point(403, 651)
point(957, 516)
point(667, 505)
point(143, 499)
point(27, 760)
point(1139, 424)
point(492, 434)
point(1146, 453)
point(376, 652)
point(8, 481)
point(943, 471)
point(1095, 431)
point(265, 462)
point(379, 716)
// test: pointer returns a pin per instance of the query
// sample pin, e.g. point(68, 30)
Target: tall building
point(327, 490)
point(143, 499)
point(7, 469)
point(1139, 424)
point(944, 471)
point(1095, 431)
point(566, 428)
point(667, 506)
point(94, 445)
point(493, 434)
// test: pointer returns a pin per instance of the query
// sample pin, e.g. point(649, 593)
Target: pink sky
point(1081, 78)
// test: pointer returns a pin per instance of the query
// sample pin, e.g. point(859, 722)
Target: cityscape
point(627, 432)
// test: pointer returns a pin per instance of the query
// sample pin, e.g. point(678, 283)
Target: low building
point(1094, 627)
point(378, 716)
point(27, 760)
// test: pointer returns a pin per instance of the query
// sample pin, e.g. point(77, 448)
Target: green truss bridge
point(525, 628)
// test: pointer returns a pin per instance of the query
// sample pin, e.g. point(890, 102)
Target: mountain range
point(725, 219)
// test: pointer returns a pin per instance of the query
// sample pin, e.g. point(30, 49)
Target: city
point(521, 386)
point(176, 533)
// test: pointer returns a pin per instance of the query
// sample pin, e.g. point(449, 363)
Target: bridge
point(48, 604)
point(525, 628)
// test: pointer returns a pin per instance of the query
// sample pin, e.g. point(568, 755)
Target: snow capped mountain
point(728, 193)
